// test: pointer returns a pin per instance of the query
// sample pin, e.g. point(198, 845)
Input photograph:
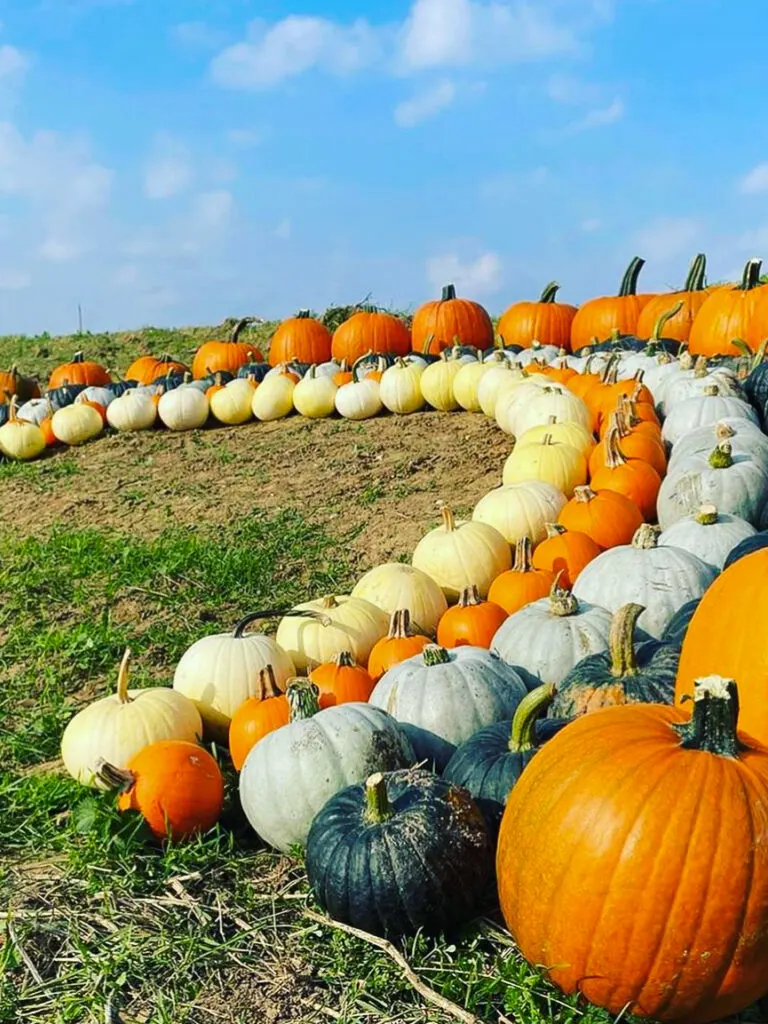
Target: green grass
point(215, 929)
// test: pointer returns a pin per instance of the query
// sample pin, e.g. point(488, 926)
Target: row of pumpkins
point(547, 724)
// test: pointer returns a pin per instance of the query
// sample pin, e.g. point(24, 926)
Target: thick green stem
point(707, 515)
point(712, 727)
point(629, 281)
point(433, 655)
point(550, 292)
point(696, 280)
point(722, 456)
point(621, 642)
point(658, 327)
point(449, 293)
point(751, 276)
point(302, 699)
point(378, 807)
point(529, 710)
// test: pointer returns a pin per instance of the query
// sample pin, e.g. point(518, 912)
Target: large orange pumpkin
point(300, 338)
point(599, 318)
point(727, 635)
point(398, 645)
point(523, 583)
point(341, 681)
point(633, 860)
point(230, 355)
point(79, 371)
point(546, 321)
point(449, 321)
point(257, 716)
point(370, 330)
point(727, 315)
point(147, 369)
point(608, 517)
point(687, 303)
point(470, 623)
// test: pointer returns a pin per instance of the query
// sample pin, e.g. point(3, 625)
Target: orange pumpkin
point(728, 314)
point(147, 369)
point(599, 318)
point(558, 371)
point(613, 392)
point(398, 645)
point(344, 374)
point(637, 417)
point(523, 583)
point(565, 553)
point(635, 444)
point(176, 786)
point(13, 383)
point(79, 371)
point(100, 409)
point(46, 425)
point(546, 321)
point(300, 338)
point(470, 623)
point(633, 478)
point(584, 384)
point(633, 860)
point(449, 321)
point(256, 717)
point(341, 681)
point(213, 356)
point(216, 386)
point(686, 304)
point(370, 330)
point(609, 518)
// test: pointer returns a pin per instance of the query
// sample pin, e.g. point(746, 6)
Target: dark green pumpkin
point(627, 673)
point(258, 371)
point(748, 546)
point(63, 396)
point(489, 763)
point(678, 625)
point(756, 390)
point(404, 851)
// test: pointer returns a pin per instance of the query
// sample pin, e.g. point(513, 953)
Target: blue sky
point(174, 162)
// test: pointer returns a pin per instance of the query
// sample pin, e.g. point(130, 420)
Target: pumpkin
point(221, 671)
point(184, 408)
point(466, 384)
point(627, 673)
point(472, 622)
point(385, 856)
point(442, 697)
point(20, 440)
point(573, 434)
point(147, 369)
point(553, 404)
point(634, 478)
point(316, 631)
point(359, 400)
point(708, 534)
point(727, 314)
point(273, 398)
point(78, 371)
point(96, 406)
point(437, 382)
point(462, 554)
point(131, 411)
point(696, 382)
point(609, 518)
point(662, 579)
point(672, 919)
point(75, 424)
point(633, 445)
point(229, 355)
point(399, 643)
point(746, 439)
point(688, 301)
point(13, 383)
point(291, 773)
point(396, 585)
point(341, 681)
point(400, 388)
point(548, 637)
point(565, 553)
point(370, 330)
point(300, 337)
point(491, 761)
point(315, 395)
point(756, 542)
point(440, 324)
point(46, 426)
point(492, 385)
point(546, 320)
point(176, 787)
point(257, 716)
point(520, 510)
point(515, 392)
point(706, 410)
point(231, 404)
point(598, 318)
point(553, 462)
point(523, 583)
point(116, 728)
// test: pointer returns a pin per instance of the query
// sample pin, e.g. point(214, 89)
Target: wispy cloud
point(481, 276)
point(198, 35)
point(597, 118)
point(755, 182)
point(425, 105)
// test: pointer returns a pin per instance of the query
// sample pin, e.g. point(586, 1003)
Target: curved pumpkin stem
point(268, 687)
point(614, 457)
point(115, 778)
point(712, 727)
point(751, 277)
point(122, 678)
point(303, 699)
point(561, 601)
point(449, 521)
point(631, 274)
point(528, 712)
point(655, 337)
point(241, 324)
point(696, 280)
point(523, 555)
point(621, 641)
point(550, 292)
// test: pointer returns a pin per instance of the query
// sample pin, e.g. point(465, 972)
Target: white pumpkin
point(133, 410)
point(745, 437)
point(291, 773)
point(116, 728)
point(102, 396)
point(709, 534)
point(77, 423)
point(359, 399)
point(457, 555)
point(34, 411)
point(315, 632)
point(273, 398)
point(554, 462)
point(221, 671)
point(329, 369)
point(492, 383)
point(467, 383)
point(694, 383)
point(566, 433)
point(394, 586)
point(437, 382)
point(661, 579)
point(521, 510)
point(704, 410)
point(232, 404)
point(537, 353)
point(555, 402)
point(315, 395)
point(400, 388)
point(183, 408)
point(19, 439)
point(516, 393)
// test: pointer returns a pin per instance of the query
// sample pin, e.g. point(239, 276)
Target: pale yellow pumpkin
point(568, 433)
point(273, 398)
point(315, 395)
point(467, 383)
point(437, 382)
point(555, 402)
point(184, 408)
point(394, 586)
point(513, 397)
point(492, 384)
point(77, 423)
point(20, 440)
point(317, 631)
point(400, 388)
point(132, 411)
point(521, 510)
point(458, 555)
point(232, 404)
point(550, 461)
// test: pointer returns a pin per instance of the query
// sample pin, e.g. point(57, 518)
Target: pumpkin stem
point(378, 807)
point(302, 699)
point(344, 659)
point(646, 537)
point(711, 390)
point(751, 276)
point(449, 522)
point(268, 684)
point(722, 456)
point(550, 292)
point(329, 601)
point(695, 282)
point(528, 712)
point(269, 613)
point(78, 357)
point(523, 552)
point(122, 678)
point(663, 319)
point(631, 274)
point(715, 716)
point(12, 417)
point(240, 326)
point(700, 368)
point(554, 530)
point(400, 625)
point(621, 641)
point(449, 293)
point(469, 597)
point(561, 601)
point(614, 457)
point(686, 360)
point(115, 778)
point(724, 431)
point(584, 494)
point(707, 515)
point(434, 654)
point(303, 314)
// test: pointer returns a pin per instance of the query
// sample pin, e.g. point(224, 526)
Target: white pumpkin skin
point(290, 774)
point(701, 412)
point(77, 423)
point(744, 436)
point(400, 388)
point(661, 579)
point(359, 400)
point(394, 586)
point(220, 672)
point(184, 408)
point(437, 384)
point(232, 404)
point(467, 383)
point(694, 383)
point(562, 404)
point(441, 697)
point(553, 462)
point(315, 395)
point(521, 510)
point(492, 384)
point(739, 488)
point(709, 534)
point(459, 555)
point(19, 439)
point(513, 395)
point(273, 398)
point(547, 638)
point(102, 396)
point(116, 728)
point(33, 411)
point(334, 624)
point(132, 411)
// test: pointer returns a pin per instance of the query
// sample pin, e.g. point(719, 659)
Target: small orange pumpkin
point(523, 583)
point(609, 518)
point(147, 369)
point(546, 321)
point(448, 321)
point(398, 645)
point(565, 553)
point(633, 478)
point(341, 681)
point(13, 383)
point(635, 444)
point(300, 338)
point(257, 716)
point(79, 371)
point(230, 355)
point(344, 374)
point(470, 623)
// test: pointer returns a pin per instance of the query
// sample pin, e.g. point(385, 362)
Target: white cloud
point(168, 170)
point(437, 32)
point(213, 209)
point(13, 63)
point(425, 104)
point(481, 276)
point(667, 238)
point(756, 181)
point(59, 250)
point(598, 118)
point(283, 230)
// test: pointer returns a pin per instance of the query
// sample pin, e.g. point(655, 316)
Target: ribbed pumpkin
point(523, 583)
point(458, 555)
point(472, 622)
point(448, 321)
point(396, 585)
point(341, 681)
point(315, 632)
point(608, 517)
point(633, 860)
point(147, 369)
point(553, 462)
point(19, 439)
point(633, 444)
point(398, 645)
point(79, 371)
point(14, 383)
point(520, 510)
point(300, 337)
point(257, 716)
point(574, 434)
point(230, 355)
point(565, 553)
point(370, 330)
point(598, 318)
point(634, 478)
point(690, 300)
point(727, 315)
point(547, 321)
